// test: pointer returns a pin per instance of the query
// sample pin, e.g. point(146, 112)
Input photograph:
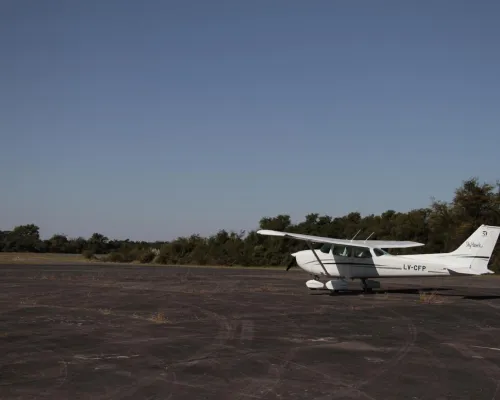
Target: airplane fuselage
point(377, 266)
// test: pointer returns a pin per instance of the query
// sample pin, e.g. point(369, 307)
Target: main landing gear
point(369, 285)
point(366, 288)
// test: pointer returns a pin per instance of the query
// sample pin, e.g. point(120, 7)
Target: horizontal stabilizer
point(469, 271)
point(383, 244)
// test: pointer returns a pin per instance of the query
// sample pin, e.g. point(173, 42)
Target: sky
point(151, 120)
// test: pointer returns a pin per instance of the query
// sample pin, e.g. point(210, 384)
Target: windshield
point(325, 248)
point(380, 252)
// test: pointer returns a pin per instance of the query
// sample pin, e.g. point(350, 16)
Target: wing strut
point(317, 258)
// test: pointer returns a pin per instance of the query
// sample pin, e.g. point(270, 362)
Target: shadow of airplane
point(358, 292)
point(473, 297)
point(410, 291)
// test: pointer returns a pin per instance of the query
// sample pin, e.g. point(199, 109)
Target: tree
point(24, 238)
point(441, 225)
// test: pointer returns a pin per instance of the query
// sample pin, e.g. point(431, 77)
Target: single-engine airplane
point(341, 259)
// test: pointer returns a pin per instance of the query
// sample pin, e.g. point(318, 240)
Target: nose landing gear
point(315, 284)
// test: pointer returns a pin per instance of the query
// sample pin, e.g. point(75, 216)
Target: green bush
point(146, 257)
point(115, 257)
point(88, 254)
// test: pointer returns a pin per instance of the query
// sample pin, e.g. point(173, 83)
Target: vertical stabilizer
point(476, 251)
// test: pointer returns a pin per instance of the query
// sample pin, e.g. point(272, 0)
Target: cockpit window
point(342, 251)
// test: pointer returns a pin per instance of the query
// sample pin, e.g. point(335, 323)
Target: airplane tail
point(473, 255)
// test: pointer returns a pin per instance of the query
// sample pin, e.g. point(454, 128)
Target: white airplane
point(342, 259)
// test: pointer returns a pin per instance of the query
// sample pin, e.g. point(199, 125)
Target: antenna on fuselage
point(355, 235)
point(369, 236)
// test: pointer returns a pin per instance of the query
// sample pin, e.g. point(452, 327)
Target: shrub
point(146, 257)
point(88, 254)
point(115, 257)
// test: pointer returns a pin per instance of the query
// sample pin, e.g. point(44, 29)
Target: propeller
point(291, 263)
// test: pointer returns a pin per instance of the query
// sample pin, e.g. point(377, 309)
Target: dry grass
point(39, 258)
point(53, 258)
point(384, 295)
point(265, 288)
point(159, 318)
point(430, 298)
point(215, 266)
point(28, 302)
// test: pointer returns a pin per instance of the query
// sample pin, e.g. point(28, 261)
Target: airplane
point(341, 259)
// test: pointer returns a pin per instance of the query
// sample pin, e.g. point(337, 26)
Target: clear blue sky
point(156, 119)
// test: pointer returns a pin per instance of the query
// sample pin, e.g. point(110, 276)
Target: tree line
point(442, 226)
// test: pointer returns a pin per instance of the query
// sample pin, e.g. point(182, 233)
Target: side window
point(361, 252)
point(342, 251)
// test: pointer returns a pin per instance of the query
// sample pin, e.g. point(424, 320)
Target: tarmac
point(155, 332)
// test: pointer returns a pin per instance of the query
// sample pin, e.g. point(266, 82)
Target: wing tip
point(416, 244)
point(270, 232)
point(393, 244)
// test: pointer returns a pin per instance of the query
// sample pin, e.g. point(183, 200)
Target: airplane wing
point(383, 244)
